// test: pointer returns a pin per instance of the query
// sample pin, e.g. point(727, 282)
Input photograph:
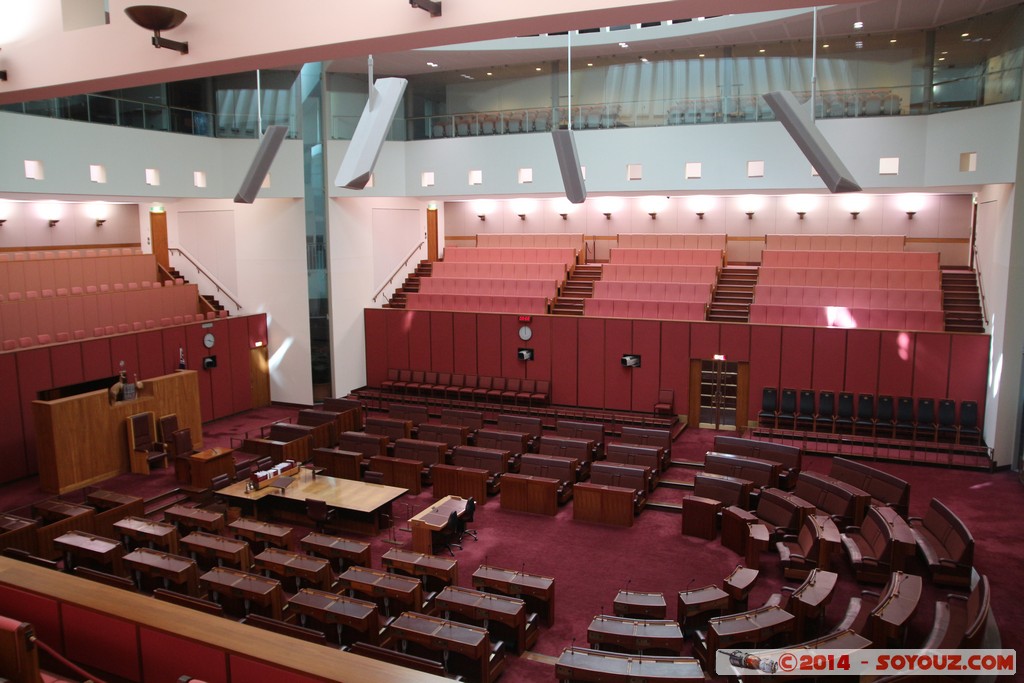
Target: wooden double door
point(718, 394)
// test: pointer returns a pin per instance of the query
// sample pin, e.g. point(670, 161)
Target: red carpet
point(590, 563)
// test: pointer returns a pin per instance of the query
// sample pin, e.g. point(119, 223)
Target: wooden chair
point(318, 511)
point(666, 402)
point(146, 451)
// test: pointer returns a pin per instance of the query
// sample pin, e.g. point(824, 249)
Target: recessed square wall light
point(476, 177)
point(97, 173)
point(427, 179)
point(525, 175)
point(755, 169)
point(889, 166)
point(968, 162)
point(693, 169)
point(152, 176)
point(199, 178)
point(634, 171)
point(34, 169)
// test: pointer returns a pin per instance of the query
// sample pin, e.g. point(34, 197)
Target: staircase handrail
point(221, 289)
point(398, 270)
point(981, 287)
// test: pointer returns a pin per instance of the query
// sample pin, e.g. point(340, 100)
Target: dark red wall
point(581, 356)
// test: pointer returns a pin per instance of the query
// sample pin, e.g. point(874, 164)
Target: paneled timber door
point(718, 391)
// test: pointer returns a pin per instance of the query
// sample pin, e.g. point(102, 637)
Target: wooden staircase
point(212, 300)
point(733, 294)
point(577, 288)
point(961, 300)
point(411, 284)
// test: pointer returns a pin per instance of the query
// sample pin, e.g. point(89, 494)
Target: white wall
point(26, 223)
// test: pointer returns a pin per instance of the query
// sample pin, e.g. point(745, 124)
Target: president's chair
point(318, 513)
point(666, 402)
point(146, 452)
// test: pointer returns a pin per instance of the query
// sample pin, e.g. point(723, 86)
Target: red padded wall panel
point(704, 340)
point(195, 352)
point(765, 362)
point(174, 345)
point(399, 338)
point(245, 670)
point(675, 363)
point(488, 343)
point(896, 364)
point(221, 376)
point(968, 360)
point(464, 343)
point(238, 350)
point(647, 378)
point(931, 365)
point(829, 367)
point(618, 380)
point(540, 342)
point(862, 348)
point(419, 339)
point(734, 341)
point(257, 328)
point(124, 347)
point(375, 326)
point(166, 657)
point(442, 345)
point(12, 435)
point(96, 358)
point(795, 361)
point(66, 361)
point(511, 366)
point(33, 377)
point(151, 352)
point(564, 360)
point(591, 363)
point(99, 641)
point(42, 612)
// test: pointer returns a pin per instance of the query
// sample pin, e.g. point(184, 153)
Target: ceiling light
point(644, 60)
point(490, 73)
point(590, 64)
point(892, 40)
point(623, 44)
point(701, 55)
point(825, 45)
point(432, 65)
point(942, 59)
point(944, 52)
point(858, 24)
point(429, 6)
point(761, 50)
point(964, 35)
point(859, 44)
point(537, 69)
point(156, 19)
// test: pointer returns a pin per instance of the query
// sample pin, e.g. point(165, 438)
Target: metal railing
point(221, 289)
point(981, 286)
point(398, 270)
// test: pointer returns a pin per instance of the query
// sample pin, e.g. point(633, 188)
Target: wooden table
point(432, 519)
point(103, 551)
point(145, 531)
point(635, 635)
point(218, 549)
point(18, 532)
point(111, 507)
point(383, 587)
point(195, 518)
point(698, 602)
point(262, 533)
point(341, 552)
point(339, 611)
point(444, 636)
point(287, 565)
point(639, 604)
point(422, 566)
point(250, 588)
point(738, 585)
point(457, 480)
point(897, 604)
point(809, 601)
point(581, 664)
point(106, 500)
point(199, 469)
point(602, 504)
point(170, 569)
point(527, 493)
point(753, 627)
point(700, 516)
point(53, 510)
point(538, 591)
point(501, 615)
point(401, 472)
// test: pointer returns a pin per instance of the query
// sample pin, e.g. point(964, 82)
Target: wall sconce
point(910, 215)
point(855, 214)
point(155, 18)
point(3, 74)
point(564, 216)
point(700, 215)
point(653, 215)
point(53, 221)
point(608, 215)
point(750, 215)
point(522, 216)
point(482, 216)
point(100, 221)
point(801, 214)
point(2, 221)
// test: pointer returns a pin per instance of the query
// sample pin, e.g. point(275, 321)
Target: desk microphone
point(572, 647)
point(628, 581)
point(687, 589)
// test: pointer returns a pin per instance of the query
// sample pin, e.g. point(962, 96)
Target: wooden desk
point(338, 463)
point(194, 518)
point(382, 586)
point(170, 569)
point(903, 544)
point(400, 472)
point(501, 615)
point(59, 517)
point(700, 517)
point(53, 510)
point(640, 605)
point(111, 507)
point(199, 469)
point(888, 620)
point(139, 530)
point(809, 601)
point(538, 591)
point(82, 439)
point(753, 627)
point(218, 550)
point(422, 565)
point(581, 664)
point(635, 635)
point(456, 480)
point(18, 532)
point(341, 552)
point(433, 519)
point(738, 585)
point(602, 504)
point(262, 533)
point(339, 611)
point(829, 539)
point(526, 493)
point(288, 565)
point(691, 604)
point(249, 588)
point(444, 637)
point(105, 552)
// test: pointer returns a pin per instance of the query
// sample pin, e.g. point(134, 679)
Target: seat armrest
point(871, 593)
point(789, 537)
point(953, 563)
point(851, 529)
point(957, 596)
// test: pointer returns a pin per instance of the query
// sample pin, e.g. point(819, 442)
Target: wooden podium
point(84, 439)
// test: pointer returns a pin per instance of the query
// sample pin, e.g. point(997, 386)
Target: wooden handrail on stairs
point(397, 271)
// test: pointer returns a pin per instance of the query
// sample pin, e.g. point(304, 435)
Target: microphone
point(572, 648)
point(692, 579)
point(628, 581)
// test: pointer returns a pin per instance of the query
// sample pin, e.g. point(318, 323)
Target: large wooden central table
point(361, 507)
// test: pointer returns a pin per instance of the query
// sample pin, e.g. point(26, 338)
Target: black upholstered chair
point(885, 416)
point(787, 409)
point(826, 417)
point(319, 513)
point(904, 427)
point(844, 413)
point(924, 430)
point(466, 518)
point(969, 431)
point(864, 424)
point(947, 429)
point(805, 410)
point(769, 407)
point(448, 536)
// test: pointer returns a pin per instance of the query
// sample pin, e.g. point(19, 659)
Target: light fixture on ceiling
point(429, 6)
point(565, 216)
point(858, 24)
point(3, 77)
point(522, 216)
point(653, 215)
point(2, 221)
point(156, 19)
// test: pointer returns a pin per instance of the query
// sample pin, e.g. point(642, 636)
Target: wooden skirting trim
point(70, 247)
point(611, 238)
point(460, 238)
point(938, 240)
point(744, 238)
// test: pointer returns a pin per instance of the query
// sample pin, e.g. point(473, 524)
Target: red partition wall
point(419, 339)
point(646, 378)
point(931, 365)
point(828, 368)
point(896, 364)
point(675, 362)
point(398, 338)
point(590, 362)
point(66, 362)
point(151, 353)
point(165, 658)
point(704, 340)
point(33, 376)
point(245, 670)
point(968, 351)
point(488, 345)
point(40, 611)
point(464, 343)
point(618, 380)
point(174, 346)
point(123, 347)
point(195, 352)
point(765, 350)
point(12, 435)
point(564, 361)
point(96, 358)
point(734, 341)
point(511, 366)
point(862, 361)
point(100, 641)
point(375, 323)
point(442, 349)
point(796, 357)
point(541, 342)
